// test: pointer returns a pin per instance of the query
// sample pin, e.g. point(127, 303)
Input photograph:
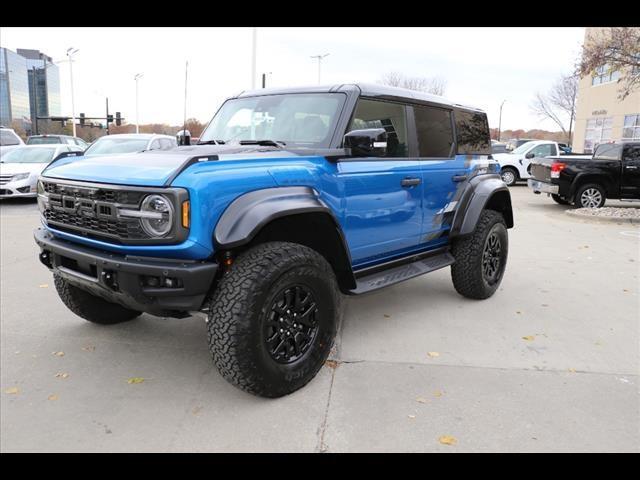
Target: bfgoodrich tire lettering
point(91, 308)
point(488, 244)
point(243, 302)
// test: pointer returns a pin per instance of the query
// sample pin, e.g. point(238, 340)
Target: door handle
point(459, 178)
point(410, 182)
point(630, 167)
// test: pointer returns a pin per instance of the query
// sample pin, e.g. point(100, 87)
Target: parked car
point(9, 140)
point(48, 139)
point(498, 147)
point(291, 198)
point(20, 168)
point(517, 142)
point(587, 181)
point(516, 165)
point(130, 143)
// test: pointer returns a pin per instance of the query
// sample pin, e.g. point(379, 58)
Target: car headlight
point(20, 176)
point(157, 215)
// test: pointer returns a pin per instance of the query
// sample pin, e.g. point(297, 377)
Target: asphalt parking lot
point(549, 363)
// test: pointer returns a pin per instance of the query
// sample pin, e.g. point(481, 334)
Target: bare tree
point(433, 85)
point(616, 48)
point(559, 104)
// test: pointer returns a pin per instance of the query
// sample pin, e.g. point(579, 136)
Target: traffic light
point(109, 119)
point(118, 119)
point(82, 119)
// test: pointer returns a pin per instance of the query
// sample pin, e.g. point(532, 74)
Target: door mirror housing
point(529, 155)
point(370, 142)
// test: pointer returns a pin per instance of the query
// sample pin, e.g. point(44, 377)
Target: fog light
point(152, 281)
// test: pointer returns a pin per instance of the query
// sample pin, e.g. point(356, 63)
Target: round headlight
point(159, 215)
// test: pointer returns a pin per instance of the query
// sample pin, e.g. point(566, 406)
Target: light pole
point(319, 57)
point(70, 52)
point(264, 79)
point(254, 46)
point(500, 120)
point(136, 78)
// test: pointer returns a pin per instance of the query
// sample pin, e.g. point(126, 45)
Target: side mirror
point(529, 155)
point(370, 142)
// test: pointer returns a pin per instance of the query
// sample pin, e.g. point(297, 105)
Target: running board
point(401, 273)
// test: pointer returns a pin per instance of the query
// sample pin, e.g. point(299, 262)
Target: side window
point(166, 144)
point(390, 116)
point(8, 138)
point(434, 131)
point(545, 150)
point(472, 131)
point(608, 151)
point(632, 154)
point(155, 145)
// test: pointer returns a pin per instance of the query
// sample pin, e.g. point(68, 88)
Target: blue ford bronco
point(290, 199)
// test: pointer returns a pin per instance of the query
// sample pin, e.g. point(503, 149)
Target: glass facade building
point(29, 86)
point(14, 89)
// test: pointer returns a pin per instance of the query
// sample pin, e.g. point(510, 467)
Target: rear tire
point(273, 318)
point(590, 195)
point(91, 308)
point(481, 257)
point(509, 176)
point(558, 199)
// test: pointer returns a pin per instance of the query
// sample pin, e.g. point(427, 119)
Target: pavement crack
point(322, 446)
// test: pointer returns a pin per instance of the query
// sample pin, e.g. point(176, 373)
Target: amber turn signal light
point(185, 214)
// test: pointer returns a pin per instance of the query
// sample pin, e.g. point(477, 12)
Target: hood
point(15, 168)
point(506, 156)
point(152, 169)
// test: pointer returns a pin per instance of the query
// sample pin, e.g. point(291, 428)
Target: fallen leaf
point(545, 305)
point(529, 338)
point(598, 343)
point(331, 364)
point(387, 316)
point(17, 352)
point(89, 348)
point(447, 440)
point(12, 390)
point(518, 312)
point(196, 410)
point(421, 400)
point(52, 397)
point(433, 354)
point(437, 393)
point(133, 380)
point(62, 375)
point(58, 354)
point(625, 290)
point(572, 370)
point(411, 416)
point(44, 285)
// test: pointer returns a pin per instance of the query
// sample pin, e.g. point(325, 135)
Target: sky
point(482, 66)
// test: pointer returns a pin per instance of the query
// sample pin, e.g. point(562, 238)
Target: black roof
point(365, 90)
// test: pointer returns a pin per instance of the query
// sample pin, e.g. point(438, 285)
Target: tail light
point(556, 168)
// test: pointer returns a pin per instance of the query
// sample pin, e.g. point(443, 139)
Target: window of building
point(631, 128)
point(390, 116)
point(434, 131)
point(598, 131)
point(604, 74)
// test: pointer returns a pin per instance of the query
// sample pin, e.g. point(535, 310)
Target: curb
point(595, 219)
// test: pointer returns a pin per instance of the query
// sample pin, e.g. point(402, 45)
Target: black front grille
point(92, 211)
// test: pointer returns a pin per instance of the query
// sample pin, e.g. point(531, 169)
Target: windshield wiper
point(270, 143)
point(211, 142)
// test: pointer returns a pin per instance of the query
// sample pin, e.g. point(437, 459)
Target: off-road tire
point(467, 271)
point(590, 186)
point(242, 302)
point(91, 308)
point(559, 200)
point(515, 177)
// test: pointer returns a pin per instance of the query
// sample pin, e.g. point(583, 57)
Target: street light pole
point(253, 57)
point(500, 121)
point(70, 52)
point(136, 78)
point(319, 57)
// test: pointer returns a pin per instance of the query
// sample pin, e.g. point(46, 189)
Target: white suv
point(516, 165)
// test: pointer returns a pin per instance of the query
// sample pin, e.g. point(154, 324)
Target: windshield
point(43, 140)
point(110, 146)
point(522, 148)
point(303, 120)
point(29, 155)
point(8, 138)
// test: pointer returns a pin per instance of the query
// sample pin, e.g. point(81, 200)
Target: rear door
point(630, 181)
point(382, 195)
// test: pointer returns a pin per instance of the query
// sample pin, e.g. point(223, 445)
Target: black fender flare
point(247, 214)
point(482, 191)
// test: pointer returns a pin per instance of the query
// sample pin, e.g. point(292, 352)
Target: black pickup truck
point(584, 181)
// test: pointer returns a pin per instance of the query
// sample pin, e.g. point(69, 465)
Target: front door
point(630, 180)
point(383, 195)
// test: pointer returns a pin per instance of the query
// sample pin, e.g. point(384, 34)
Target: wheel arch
point(290, 214)
point(586, 178)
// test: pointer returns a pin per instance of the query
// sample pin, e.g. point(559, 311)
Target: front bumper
point(538, 186)
point(19, 189)
point(124, 279)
